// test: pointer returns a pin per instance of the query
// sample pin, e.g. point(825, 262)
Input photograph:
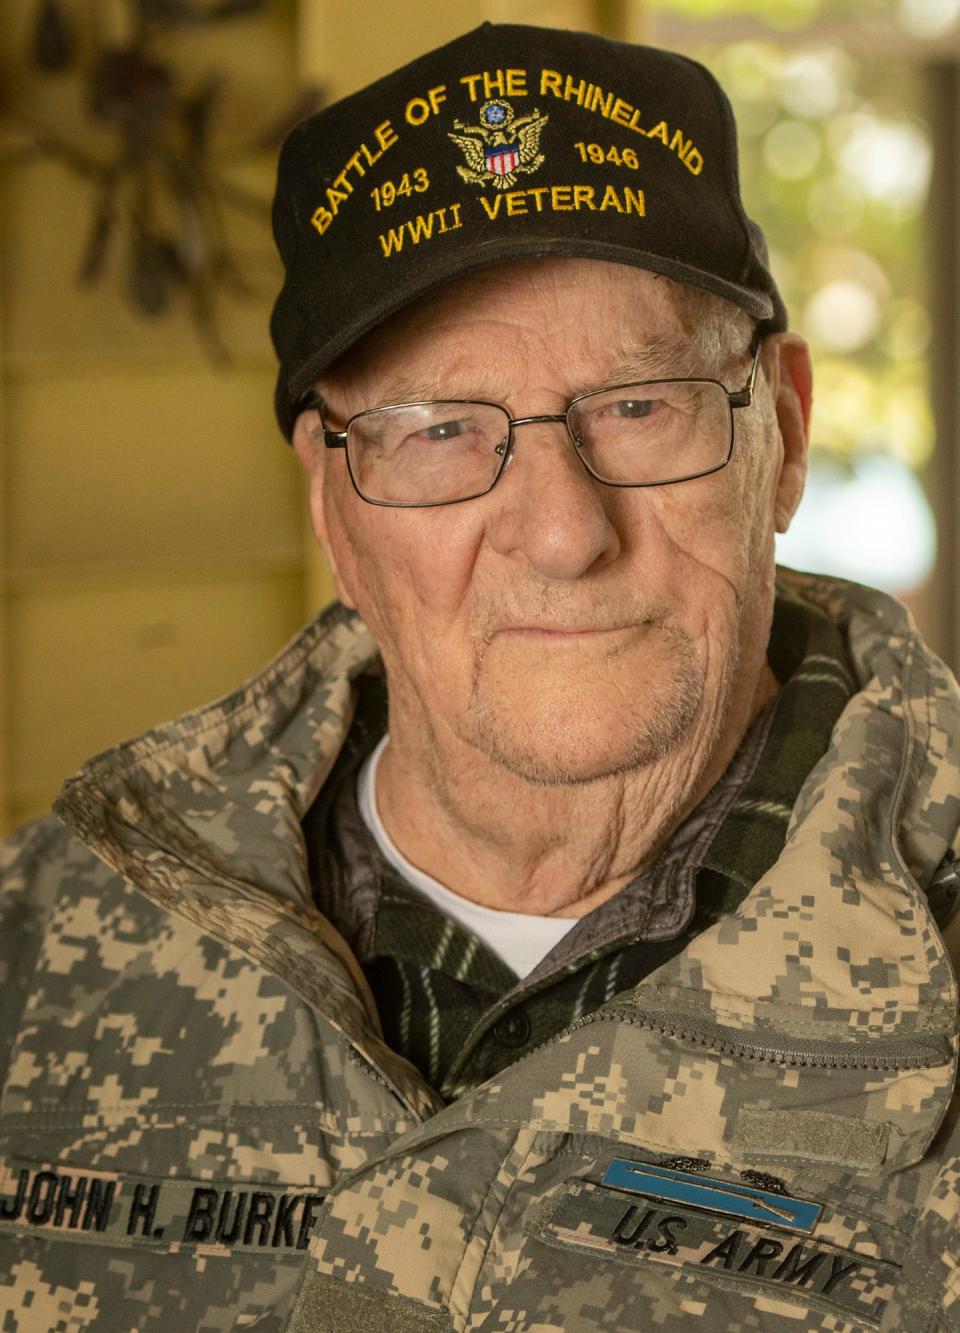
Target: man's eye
point(444, 430)
point(634, 407)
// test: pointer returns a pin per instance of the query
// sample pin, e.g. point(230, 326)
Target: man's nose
point(548, 507)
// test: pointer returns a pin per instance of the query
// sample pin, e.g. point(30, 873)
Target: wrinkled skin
point(570, 665)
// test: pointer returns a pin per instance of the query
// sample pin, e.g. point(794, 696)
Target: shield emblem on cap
point(502, 159)
point(501, 147)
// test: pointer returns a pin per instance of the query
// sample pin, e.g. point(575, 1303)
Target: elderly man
point(548, 939)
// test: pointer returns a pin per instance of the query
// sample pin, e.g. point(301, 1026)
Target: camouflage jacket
point(758, 1136)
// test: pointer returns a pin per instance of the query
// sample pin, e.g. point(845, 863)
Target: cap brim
point(756, 303)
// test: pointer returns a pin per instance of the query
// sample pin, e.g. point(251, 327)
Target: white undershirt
point(520, 940)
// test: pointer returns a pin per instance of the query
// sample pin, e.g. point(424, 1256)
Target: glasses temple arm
point(744, 397)
point(333, 439)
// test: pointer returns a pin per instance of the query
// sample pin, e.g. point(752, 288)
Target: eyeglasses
point(651, 433)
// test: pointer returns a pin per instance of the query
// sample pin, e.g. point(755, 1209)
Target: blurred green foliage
point(835, 165)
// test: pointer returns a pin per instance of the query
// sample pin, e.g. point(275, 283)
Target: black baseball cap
point(509, 142)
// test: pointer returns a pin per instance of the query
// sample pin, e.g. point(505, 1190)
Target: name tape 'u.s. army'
point(509, 142)
point(720, 1231)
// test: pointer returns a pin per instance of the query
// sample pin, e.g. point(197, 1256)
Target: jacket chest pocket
point(645, 1241)
point(121, 1250)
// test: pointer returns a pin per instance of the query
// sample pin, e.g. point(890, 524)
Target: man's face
point(565, 629)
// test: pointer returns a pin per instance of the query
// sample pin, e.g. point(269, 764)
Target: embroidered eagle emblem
point(501, 147)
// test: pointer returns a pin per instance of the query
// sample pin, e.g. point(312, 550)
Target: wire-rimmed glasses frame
point(345, 438)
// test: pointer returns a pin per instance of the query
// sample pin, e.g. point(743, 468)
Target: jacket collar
point(837, 936)
point(203, 815)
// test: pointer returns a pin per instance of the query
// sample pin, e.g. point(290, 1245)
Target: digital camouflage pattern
point(191, 1058)
point(178, 1019)
point(826, 1003)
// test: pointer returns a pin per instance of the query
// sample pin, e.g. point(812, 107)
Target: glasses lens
point(645, 433)
point(428, 453)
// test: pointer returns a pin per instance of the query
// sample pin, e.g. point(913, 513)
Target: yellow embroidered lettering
point(516, 83)
point(494, 84)
point(386, 135)
point(471, 81)
point(441, 214)
point(600, 101)
point(420, 228)
point(354, 164)
point(416, 111)
point(342, 186)
point(594, 98)
point(391, 241)
point(419, 109)
point(635, 201)
point(321, 219)
point(621, 113)
point(550, 82)
point(559, 198)
point(574, 92)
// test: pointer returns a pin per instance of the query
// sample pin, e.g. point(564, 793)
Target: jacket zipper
point(876, 1053)
point(896, 1053)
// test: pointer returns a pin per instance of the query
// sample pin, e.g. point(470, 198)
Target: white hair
point(716, 327)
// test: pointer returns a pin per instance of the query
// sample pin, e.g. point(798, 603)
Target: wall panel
point(152, 516)
point(150, 466)
point(94, 661)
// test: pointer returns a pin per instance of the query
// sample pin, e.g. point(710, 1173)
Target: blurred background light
point(835, 206)
point(814, 82)
point(907, 331)
point(871, 523)
point(837, 126)
point(843, 316)
point(929, 18)
point(890, 158)
point(792, 149)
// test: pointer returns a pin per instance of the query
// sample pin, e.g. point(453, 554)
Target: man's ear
point(308, 445)
point(787, 361)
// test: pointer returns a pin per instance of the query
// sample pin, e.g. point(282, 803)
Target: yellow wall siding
point(151, 516)
point(5, 714)
point(97, 660)
point(148, 466)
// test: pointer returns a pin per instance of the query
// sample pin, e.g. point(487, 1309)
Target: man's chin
point(575, 745)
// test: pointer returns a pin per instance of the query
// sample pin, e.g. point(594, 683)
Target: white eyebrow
point(668, 355)
point(662, 356)
point(409, 390)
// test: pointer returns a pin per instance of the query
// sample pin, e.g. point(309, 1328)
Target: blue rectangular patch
point(716, 1196)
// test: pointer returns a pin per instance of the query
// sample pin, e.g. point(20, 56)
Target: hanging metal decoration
point(160, 197)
